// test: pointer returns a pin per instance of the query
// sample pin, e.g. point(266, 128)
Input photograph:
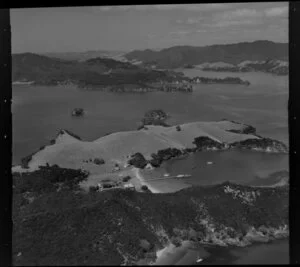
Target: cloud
point(277, 11)
point(224, 16)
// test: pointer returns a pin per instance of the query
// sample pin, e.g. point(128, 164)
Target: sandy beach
point(138, 175)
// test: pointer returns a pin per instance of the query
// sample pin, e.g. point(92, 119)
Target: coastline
point(141, 179)
point(189, 252)
point(186, 254)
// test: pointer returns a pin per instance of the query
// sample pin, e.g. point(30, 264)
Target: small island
point(154, 117)
point(78, 112)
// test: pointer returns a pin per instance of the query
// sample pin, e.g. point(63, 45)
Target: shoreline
point(189, 252)
point(138, 176)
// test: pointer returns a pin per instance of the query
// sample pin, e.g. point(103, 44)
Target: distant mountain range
point(181, 56)
point(82, 56)
point(142, 68)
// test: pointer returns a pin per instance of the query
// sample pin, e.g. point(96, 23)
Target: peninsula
point(151, 145)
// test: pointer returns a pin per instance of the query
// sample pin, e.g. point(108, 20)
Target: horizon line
point(151, 49)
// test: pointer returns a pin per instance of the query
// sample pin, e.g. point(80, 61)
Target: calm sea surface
point(275, 252)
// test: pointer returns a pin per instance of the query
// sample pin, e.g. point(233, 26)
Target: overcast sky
point(125, 28)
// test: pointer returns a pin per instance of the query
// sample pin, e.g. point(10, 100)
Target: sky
point(126, 28)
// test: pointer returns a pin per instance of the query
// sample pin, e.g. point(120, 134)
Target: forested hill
point(98, 71)
point(82, 56)
point(34, 67)
point(56, 224)
point(179, 56)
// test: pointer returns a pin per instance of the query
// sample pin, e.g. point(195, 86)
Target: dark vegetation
point(164, 154)
point(99, 161)
point(138, 161)
point(98, 73)
point(102, 74)
point(70, 228)
point(204, 143)
point(144, 188)
point(126, 178)
point(261, 143)
point(156, 114)
point(154, 117)
point(93, 188)
point(47, 179)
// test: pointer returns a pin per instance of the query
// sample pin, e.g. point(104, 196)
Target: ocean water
point(40, 111)
point(233, 165)
point(275, 252)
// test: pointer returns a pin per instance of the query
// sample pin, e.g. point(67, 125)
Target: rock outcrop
point(152, 145)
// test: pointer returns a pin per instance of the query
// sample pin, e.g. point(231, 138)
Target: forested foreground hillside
point(55, 223)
